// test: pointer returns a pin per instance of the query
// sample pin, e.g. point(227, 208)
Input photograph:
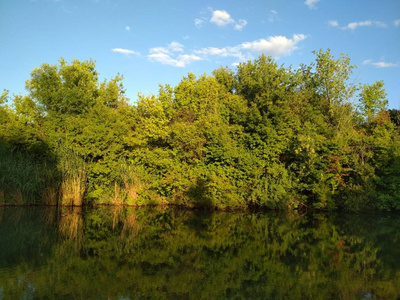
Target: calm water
point(156, 253)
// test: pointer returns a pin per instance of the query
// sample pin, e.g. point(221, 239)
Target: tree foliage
point(262, 135)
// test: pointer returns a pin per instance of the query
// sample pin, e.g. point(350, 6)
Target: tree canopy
point(261, 135)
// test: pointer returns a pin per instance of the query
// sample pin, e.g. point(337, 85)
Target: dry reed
point(73, 183)
point(50, 196)
point(132, 183)
point(71, 224)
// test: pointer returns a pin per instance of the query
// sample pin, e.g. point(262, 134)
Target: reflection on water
point(127, 253)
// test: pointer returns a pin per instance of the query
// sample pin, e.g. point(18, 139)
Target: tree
point(331, 77)
point(3, 111)
point(73, 88)
point(372, 100)
point(264, 135)
point(4, 97)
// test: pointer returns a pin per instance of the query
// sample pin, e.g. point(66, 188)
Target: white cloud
point(165, 55)
point(180, 61)
point(333, 23)
point(198, 22)
point(311, 3)
point(127, 28)
point(172, 47)
point(221, 18)
point(272, 16)
point(380, 24)
point(125, 51)
point(354, 25)
point(188, 59)
point(223, 52)
point(380, 64)
point(396, 22)
point(159, 50)
point(275, 46)
point(213, 51)
point(162, 58)
point(175, 47)
point(240, 25)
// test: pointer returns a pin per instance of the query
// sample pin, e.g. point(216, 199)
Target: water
point(167, 253)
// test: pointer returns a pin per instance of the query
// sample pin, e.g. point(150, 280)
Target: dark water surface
point(157, 253)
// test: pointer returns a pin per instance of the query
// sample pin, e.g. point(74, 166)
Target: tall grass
point(132, 184)
point(22, 178)
point(131, 226)
point(25, 180)
point(73, 170)
point(71, 224)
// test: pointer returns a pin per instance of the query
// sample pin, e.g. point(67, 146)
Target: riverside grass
point(20, 178)
point(131, 182)
point(73, 183)
point(26, 181)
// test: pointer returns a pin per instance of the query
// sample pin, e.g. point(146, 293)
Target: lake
point(172, 253)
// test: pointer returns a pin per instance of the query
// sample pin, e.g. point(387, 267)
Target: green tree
point(69, 88)
point(372, 100)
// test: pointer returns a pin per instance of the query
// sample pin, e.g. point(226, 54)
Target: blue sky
point(158, 42)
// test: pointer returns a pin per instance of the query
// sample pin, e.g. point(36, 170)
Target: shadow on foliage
point(28, 174)
point(199, 195)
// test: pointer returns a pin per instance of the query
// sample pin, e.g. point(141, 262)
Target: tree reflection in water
point(165, 252)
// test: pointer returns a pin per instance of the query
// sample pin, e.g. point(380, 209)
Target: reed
point(118, 196)
point(21, 178)
point(50, 184)
point(2, 197)
point(16, 197)
point(50, 215)
point(131, 181)
point(50, 195)
point(73, 188)
point(131, 225)
point(71, 224)
point(117, 215)
point(74, 179)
